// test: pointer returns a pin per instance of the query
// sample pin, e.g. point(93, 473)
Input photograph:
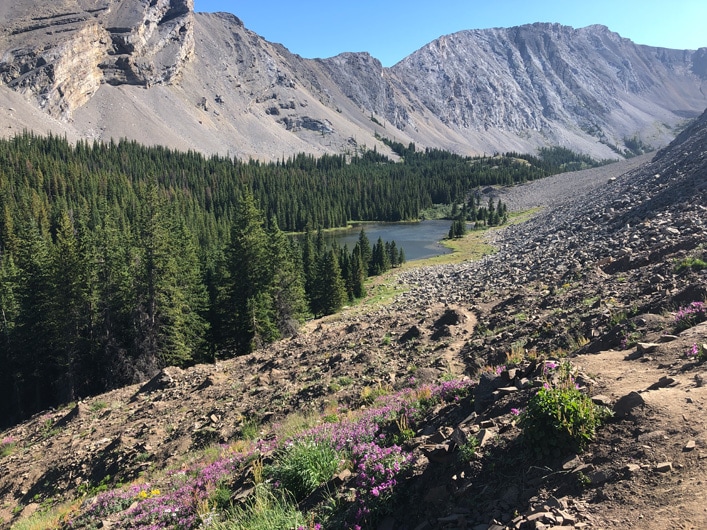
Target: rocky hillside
point(601, 281)
point(159, 73)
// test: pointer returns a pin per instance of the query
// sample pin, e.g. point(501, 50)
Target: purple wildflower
point(694, 351)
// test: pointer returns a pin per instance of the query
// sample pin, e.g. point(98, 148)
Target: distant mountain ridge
point(158, 73)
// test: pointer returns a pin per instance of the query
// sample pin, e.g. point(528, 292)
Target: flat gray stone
point(664, 467)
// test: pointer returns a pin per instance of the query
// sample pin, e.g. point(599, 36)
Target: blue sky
point(391, 30)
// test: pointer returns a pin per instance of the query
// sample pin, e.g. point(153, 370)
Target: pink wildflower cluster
point(147, 508)
point(550, 365)
point(690, 315)
point(453, 390)
point(377, 469)
point(696, 352)
point(376, 466)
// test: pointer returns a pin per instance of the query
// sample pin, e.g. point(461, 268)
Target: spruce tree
point(287, 292)
point(330, 291)
point(246, 311)
point(32, 359)
point(71, 308)
point(365, 251)
point(170, 294)
point(309, 263)
point(358, 273)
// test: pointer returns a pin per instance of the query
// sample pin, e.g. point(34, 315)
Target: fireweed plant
point(560, 417)
point(699, 353)
point(363, 442)
point(690, 315)
point(7, 446)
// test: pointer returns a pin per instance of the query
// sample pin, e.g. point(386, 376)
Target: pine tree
point(365, 251)
point(8, 298)
point(169, 289)
point(32, 357)
point(246, 311)
point(380, 260)
point(330, 291)
point(358, 273)
point(71, 308)
point(309, 263)
point(287, 292)
point(393, 253)
point(116, 297)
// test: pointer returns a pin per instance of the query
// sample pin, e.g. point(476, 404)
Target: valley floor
point(593, 281)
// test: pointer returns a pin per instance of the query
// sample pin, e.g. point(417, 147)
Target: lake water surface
point(418, 240)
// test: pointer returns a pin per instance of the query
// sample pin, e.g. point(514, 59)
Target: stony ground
point(593, 280)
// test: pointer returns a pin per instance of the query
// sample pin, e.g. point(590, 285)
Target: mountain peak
point(214, 86)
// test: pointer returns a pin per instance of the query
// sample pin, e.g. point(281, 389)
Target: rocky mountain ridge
point(159, 73)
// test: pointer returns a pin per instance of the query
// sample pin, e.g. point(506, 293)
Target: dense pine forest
point(118, 259)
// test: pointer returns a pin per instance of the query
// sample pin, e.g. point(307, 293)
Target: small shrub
point(469, 449)
point(560, 419)
point(47, 430)
point(98, 405)
point(220, 498)
point(304, 465)
point(695, 264)
point(249, 429)
point(345, 380)
point(405, 432)
point(370, 394)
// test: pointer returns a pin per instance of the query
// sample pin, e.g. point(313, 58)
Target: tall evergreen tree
point(309, 263)
point(358, 273)
point(380, 260)
point(169, 290)
point(365, 251)
point(250, 317)
point(287, 292)
point(32, 357)
point(330, 291)
point(71, 310)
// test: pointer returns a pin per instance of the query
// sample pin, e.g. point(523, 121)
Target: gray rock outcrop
point(62, 52)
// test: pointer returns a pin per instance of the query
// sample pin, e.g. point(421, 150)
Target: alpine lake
point(418, 240)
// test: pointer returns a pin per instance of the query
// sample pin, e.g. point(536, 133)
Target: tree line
point(117, 259)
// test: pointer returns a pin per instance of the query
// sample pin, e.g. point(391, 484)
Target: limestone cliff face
point(62, 52)
point(151, 42)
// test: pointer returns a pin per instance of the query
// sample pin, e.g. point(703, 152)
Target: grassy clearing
point(473, 246)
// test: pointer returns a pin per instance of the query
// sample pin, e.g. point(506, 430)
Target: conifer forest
point(117, 260)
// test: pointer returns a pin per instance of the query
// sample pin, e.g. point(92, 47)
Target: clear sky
point(392, 29)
